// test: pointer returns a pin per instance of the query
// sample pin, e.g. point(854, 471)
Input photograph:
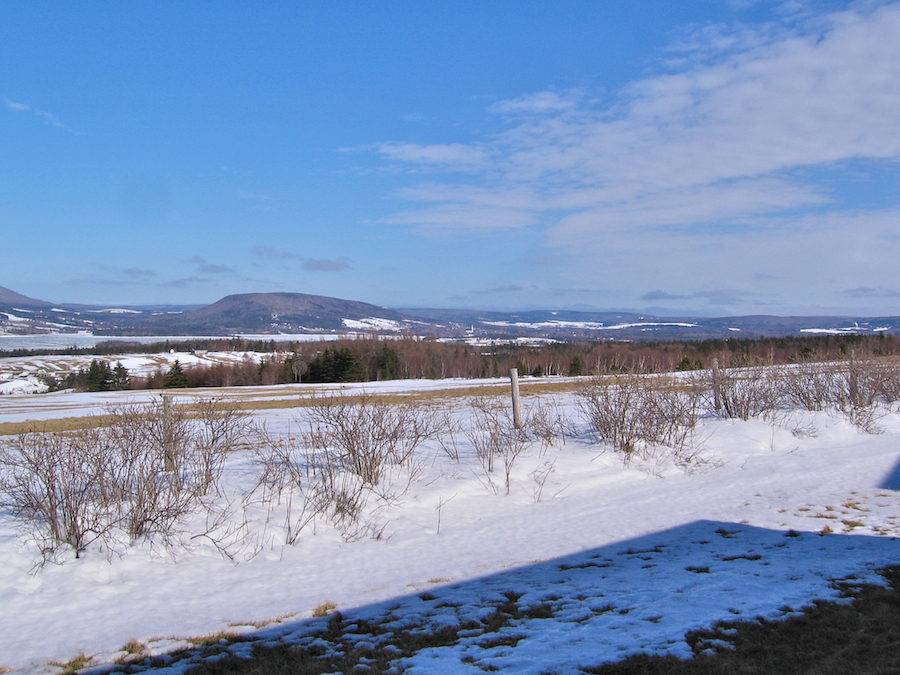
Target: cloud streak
point(269, 253)
point(204, 267)
point(48, 118)
point(326, 265)
point(714, 156)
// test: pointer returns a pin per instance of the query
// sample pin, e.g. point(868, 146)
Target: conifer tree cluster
point(100, 377)
point(342, 364)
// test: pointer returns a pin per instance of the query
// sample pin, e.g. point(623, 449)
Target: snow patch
point(373, 322)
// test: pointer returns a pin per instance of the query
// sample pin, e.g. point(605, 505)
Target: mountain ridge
point(302, 313)
point(10, 297)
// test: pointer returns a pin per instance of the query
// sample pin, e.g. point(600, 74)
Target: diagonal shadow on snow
point(639, 595)
point(892, 480)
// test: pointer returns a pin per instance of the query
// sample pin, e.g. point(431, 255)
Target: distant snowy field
point(19, 374)
point(630, 557)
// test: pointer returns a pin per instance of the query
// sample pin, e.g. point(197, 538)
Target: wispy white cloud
point(805, 100)
point(715, 157)
point(454, 156)
point(48, 117)
point(540, 103)
point(446, 218)
point(17, 107)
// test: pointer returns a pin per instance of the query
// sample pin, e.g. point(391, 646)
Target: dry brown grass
point(74, 664)
point(55, 425)
point(278, 398)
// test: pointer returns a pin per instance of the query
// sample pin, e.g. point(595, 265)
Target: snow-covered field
point(20, 374)
point(618, 558)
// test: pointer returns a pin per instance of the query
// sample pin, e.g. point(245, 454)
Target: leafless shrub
point(339, 495)
point(302, 484)
point(866, 418)
point(614, 410)
point(353, 448)
point(448, 433)
point(546, 421)
point(284, 479)
point(365, 435)
point(494, 437)
point(857, 385)
point(169, 457)
point(863, 388)
point(634, 413)
point(859, 388)
point(742, 393)
point(888, 380)
point(139, 476)
point(809, 386)
point(54, 483)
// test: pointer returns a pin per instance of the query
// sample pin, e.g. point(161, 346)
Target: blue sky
point(703, 157)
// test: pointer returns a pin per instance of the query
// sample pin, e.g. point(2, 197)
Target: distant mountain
point(299, 313)
point(12, 299)
point(573, 325)
point(277, 313)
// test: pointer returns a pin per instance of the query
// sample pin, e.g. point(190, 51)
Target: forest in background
point(376, 358)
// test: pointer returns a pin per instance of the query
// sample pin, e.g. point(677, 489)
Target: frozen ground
point(19, 374)
point(606, 559)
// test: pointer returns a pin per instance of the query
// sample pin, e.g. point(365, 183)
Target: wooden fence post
point(168, 437)
point(717, 397)
point(517, 404)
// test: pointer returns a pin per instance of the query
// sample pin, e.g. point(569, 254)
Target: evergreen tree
point(343, 364)
point(388, 363)
point(99, 377)
point(575, 368)
point(120, 377)
point(349, 366)
point(175, 378)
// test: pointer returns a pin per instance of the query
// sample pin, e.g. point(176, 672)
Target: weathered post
point(855, 399)
point(517, 405)
point(168, 438)
point(717, 397)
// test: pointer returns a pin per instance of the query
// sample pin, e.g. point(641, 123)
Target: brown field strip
point(277, 399)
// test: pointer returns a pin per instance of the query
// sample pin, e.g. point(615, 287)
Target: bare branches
point(354, 449)
point(493, 434)
point(365, 435)
point(79, 487)
point(634, 413)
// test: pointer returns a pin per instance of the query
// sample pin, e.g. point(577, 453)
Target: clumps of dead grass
point(324, 609)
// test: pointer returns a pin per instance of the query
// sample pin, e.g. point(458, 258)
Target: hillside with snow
point(603, 557)
point(280, 314)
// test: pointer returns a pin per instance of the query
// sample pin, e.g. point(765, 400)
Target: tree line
point(375, 358)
